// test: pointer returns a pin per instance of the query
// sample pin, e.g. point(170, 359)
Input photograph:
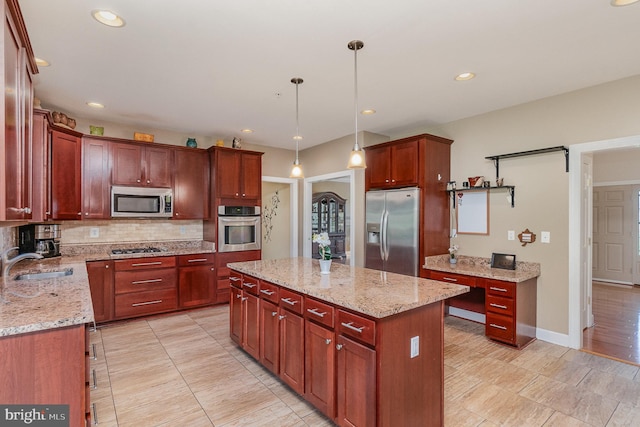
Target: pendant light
point(296, 170)
point(356, 160)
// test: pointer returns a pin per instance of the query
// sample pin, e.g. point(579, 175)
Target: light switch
point(94, 232)
point(545, 237)
point(511, 235)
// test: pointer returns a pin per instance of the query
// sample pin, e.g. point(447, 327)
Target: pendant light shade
point(356, 160)
point(296, 170)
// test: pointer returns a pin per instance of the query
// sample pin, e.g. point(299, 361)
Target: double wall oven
point(239, 228)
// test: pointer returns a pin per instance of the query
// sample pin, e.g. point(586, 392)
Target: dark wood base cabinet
point(355, 369)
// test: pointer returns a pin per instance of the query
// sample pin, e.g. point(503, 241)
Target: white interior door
point(613, 230)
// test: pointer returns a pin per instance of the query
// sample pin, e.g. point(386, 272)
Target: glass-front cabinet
point(328, 215)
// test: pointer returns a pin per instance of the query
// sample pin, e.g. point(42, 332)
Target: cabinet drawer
point(235, 279)
point(500, 288)
point(145, 263)
point(250, 284)
point(269, 291)
point(135, 281)
point(141, 303)
point(499, 305)
point(356, 326)
point(195, 259)
point(318, 312)
point(500, 327)
point(291, 301)
point(458, 279)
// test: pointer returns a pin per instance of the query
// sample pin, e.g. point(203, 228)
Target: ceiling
point(213, 67)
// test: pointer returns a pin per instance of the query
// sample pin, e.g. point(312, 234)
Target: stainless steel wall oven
point(239, 228)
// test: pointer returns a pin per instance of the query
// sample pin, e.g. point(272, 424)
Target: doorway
point(279, 217)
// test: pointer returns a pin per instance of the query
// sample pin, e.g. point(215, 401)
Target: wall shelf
point(496, 159)
point(510, 188)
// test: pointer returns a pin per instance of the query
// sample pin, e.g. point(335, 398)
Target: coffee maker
point(43, 239)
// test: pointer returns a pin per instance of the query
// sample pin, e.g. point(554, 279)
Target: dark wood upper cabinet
point(96, 173)
point(191, 184)
point(238, 174)
point(140, 165)
point(41, 193)
point(66, 198)
point(392, 165)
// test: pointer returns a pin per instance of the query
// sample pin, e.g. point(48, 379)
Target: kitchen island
point(363, 346)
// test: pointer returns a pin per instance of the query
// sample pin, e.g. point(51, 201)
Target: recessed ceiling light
point(247, 131)
point(368, 111)
point(622, 2)
point(42, 63)
point(464, 76)
point(95, 105)
point(107, 18)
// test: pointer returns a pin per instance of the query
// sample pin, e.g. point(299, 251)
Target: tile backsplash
point(8, 237)
point(134, 230)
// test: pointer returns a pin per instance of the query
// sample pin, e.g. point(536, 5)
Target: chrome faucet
point(8, 263)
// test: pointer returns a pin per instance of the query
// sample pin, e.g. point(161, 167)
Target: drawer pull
point(94, 376)
point(289, 301)
point(140, 282)
point(327, 341)
point(249, 285)
point(267, 292)
point(504, 307)
point(281, 317)
point(339, 347)
point(234, 279)
point(141, 264)
point(138, 304)
point(450, 279)
point(238, 295)
point(244, 298)
point(353, 328)
point(493, 288)
point(95, 414)
point(197, 260)
point(316, 312)
point(95, 353)
point(273, 313)
point(493, 325)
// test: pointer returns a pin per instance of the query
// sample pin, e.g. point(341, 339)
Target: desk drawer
point(318, 312)
point(500, 327)
point(458, 279)
point(500, 288)
point(499, 305)
point(291, 301)
point(356, 326)
point(269, 291)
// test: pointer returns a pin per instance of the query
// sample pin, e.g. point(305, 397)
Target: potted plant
point(452, 254)
point(324, 249)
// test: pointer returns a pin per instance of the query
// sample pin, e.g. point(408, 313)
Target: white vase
point(453, 260)
point(325, 266)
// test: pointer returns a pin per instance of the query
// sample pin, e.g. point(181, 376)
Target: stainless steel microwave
point(141, 202)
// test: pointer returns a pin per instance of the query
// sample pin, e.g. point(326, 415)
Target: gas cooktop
point(135, 251)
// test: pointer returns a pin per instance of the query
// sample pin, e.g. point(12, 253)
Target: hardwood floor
point(616, 313)
point(183, 370)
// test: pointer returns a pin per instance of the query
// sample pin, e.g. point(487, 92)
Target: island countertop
point(375, 293)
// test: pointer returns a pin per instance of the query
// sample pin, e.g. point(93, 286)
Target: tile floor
point(183, 370)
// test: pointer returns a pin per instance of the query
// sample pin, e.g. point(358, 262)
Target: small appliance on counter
point(43, 239)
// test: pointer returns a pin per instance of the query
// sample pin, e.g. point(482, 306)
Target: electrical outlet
point(183, 229)
point(511, 235)
point(94, 232)
point(545, 236)
point(415, 346)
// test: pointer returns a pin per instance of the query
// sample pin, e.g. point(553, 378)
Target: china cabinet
point(328, 216)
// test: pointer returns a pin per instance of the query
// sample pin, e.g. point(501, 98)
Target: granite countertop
point(375, 293)
point(41, 304)
point(481, 267)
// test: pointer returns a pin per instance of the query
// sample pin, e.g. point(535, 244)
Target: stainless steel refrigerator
point(392, 235)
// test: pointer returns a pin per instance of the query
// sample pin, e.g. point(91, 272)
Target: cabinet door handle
point(281, 317)
point(316, 312)
point(244, 298)
point(353, 328)
point(497, 289)
point(148, 181)
point(249, 285)
point(289, 301)
point(450, 279)
point(504, 307)
point(197, 260)
point(94, 376)
point(95, 353)
point(138, 304)
point(137, 180)
point(328, 341)
point(273, 313)
point(493, 325)
point(267, 292)
point(95, 414)
point(339, 347)
point(139, 282)
point(141, 264)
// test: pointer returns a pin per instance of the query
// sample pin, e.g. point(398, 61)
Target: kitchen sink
point(45, 275)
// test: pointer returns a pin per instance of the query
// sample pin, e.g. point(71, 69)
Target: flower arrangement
point(452, 251)
point(324, 249)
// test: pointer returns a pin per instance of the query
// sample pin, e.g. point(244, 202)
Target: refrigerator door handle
point(381, 246)
point(385, 242)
